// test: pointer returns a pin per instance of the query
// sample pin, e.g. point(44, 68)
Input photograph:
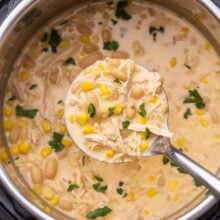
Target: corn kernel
point(21, 122)
point(59, 113)
point(142, 136)
point(47, 210)
point(104, 90)
point(45, 151)
point(97, 147)
point(151, 193)
point(204, 80)
point(86, 86)
point(15, 150)
point(3, 156)
point(147, 212)
point(8, 124)
point(199, 112)
point(54, 200)
point(204, 122)
point(95, 39)
point(24, 147)
point(174, 197)
point(82, 53)
point(64, 44)
point(186, 86)
point(141, 120)
point(88, 129)
point(117, 109)
point(110, 153)
point(71, 119)
point(84, 39)
point(48, 193)
point(153, 99)
point(131, 196)
point(62, 128)
point(67, 142)
point(45, 125)
point(82, 118)
point(143, 146)
point(23, 75)
point(152, 179)
point(172, 184)
point(35, 54)
point(180, 142)
point(217, 136)
point(173, 62)
point(185, 30)
point(208, 46)
point(8, 111)
point(37, 189)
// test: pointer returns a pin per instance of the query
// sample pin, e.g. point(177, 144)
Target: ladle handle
point(200, 174)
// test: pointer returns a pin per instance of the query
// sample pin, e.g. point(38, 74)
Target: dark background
point(9, 208)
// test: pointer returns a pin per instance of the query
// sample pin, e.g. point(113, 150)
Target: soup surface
point(81, 187)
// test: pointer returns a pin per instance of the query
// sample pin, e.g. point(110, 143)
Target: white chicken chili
point(120, 108)
point(158, 40)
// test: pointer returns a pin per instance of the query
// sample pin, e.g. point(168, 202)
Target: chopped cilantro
point(197, 183)
point(63, 22)
point(142, 110)
point(16, 158)
point(28, 113)
point(194, 97)
point(147, 133)
point(91, 110)
point(114, 22)
point(125, 194)
point(120, 191)
point(99, 212)
point(45, 49)
point(71, 187)
point(187, 66)
point(45, 37)
point(54, 40)
point(70, 61)
point(99, 188)
point(99, 179)
point(60, 101)
point(181, 170)
point(83, 160)
point(125, 124)
point(111, 45)
point(187, 113)
point(121, 183)
point(110, 111)
point(56, 143)
point(117, 81)
point(120, 11)
point(33, 86)
point(12, 98)
point(165, 160)
point(153, 31)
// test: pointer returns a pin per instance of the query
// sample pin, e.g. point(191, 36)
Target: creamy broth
point(58, 171)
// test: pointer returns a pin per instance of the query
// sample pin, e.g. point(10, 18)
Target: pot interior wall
point(37, 13)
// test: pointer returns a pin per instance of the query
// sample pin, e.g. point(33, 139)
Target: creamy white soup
point(77, 185)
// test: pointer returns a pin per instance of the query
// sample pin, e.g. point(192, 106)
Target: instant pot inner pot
point(19, 28)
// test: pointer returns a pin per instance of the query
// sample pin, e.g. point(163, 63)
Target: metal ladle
point(162, 146)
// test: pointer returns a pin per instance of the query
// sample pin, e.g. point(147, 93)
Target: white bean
point(106, 35)
point(51, 167)
point(89, 48)
point(117, 54)
point(214, 115)
point(83, 29)
point(130, 111)
point(65, 205)
point(36, 175)
point(90, 59)
point(137, 92)
point(117, 74)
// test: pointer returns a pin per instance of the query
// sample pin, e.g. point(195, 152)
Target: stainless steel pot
point(18, 28)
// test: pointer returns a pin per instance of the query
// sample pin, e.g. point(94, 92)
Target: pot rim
point(5, 28)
